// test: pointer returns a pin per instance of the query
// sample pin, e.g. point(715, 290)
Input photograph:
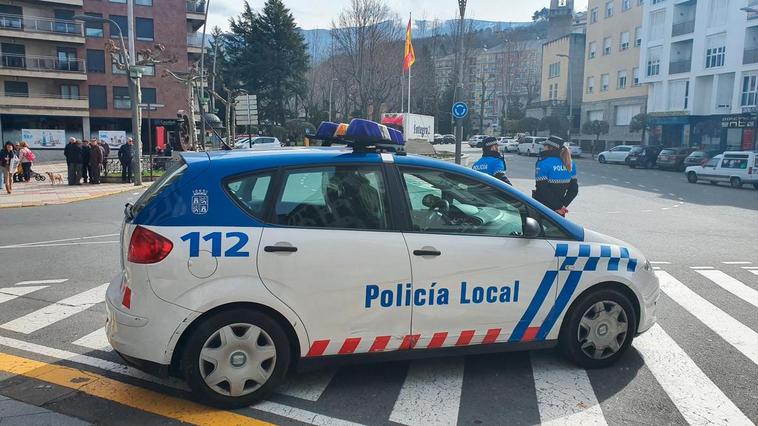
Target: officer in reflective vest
point(492, 161)
point(555, 176)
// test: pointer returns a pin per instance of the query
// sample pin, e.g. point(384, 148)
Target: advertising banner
point(114, 138)
point(44, 138)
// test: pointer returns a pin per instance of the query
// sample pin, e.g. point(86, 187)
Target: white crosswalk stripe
point(307, 386)
point(56, 281)
point(55, 312)
point(94, 340)
point(10, 293)
point(731, 285)
point(431, 393)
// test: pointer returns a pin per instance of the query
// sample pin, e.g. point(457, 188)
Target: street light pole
point(570, 93)
point(331, 88)
point(459, 87)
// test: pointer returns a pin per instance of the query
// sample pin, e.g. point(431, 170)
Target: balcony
point(750, 56)
point(13, 65)
point(196, 13)
point(682, 28)
point(195, 43)
point(679, 67)
point(48, 29)
point(39, 104)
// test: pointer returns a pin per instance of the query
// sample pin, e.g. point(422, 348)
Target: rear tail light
point(147, 246)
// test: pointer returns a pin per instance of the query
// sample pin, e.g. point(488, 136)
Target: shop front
point(733, 132)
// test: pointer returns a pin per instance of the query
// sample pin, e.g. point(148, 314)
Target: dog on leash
point(55, 177)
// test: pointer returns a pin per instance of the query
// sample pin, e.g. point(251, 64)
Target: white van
point(735, 167)
point(530, 145)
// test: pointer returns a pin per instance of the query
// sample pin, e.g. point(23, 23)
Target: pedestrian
point(95, 162)
point(492, 161)
point(85, 160)
point(106, 151)
point(73, 154)
point(8, 164)
point(125, 156)
point(27, 157)
point(555, 176)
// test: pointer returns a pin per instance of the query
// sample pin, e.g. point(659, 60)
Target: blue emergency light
point(362, 135)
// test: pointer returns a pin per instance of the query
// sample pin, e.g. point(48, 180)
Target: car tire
point(692, 177)
point(714, 182)
point(601, 159)
point(735, 182)
point(626, 161)
point(633, 166)
point(598, 328)
point(234, 325)
point(755, 185)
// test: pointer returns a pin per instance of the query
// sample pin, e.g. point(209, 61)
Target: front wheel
point(692, 177)
point(598, 329)
point(601, 159)
point(236, 357)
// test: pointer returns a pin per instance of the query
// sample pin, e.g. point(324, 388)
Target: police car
point(240, 267)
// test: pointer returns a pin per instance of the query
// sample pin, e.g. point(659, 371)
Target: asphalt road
point(697, 366)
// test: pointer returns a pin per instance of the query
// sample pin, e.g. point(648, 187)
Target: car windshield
point(636, 150)
point(698, 154)
point(668, 152)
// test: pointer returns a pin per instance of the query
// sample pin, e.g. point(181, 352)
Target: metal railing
point(679, 67)
point(44, 96)
point(196, 6)
point(41, 63)
point(195, 40)
point(681, 28)
point(40, 25)
point(750, 56)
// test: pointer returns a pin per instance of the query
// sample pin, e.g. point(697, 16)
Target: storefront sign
point(114, 138)
point(747, 139)
point(44, 138)
point(737, 121)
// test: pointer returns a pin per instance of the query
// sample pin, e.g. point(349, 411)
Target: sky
point(308, 16)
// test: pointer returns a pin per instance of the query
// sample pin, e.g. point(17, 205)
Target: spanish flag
point(410, 55)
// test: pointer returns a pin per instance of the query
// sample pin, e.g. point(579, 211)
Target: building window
point(11, 16)
point(686, 94)
point(626, 4)
point(554, 70)
point(635, 76)
point(67, 60)
point(718, 13)
point(593, 15)
point(609, 9)
point(115, 69)
point(122, 23)
point(715, 52)
point(98, 98)
point(121, 98)
point(657, 22)
point(593, 50)
point(95, 61)
point(640, 2)
point(638, 37)
point(624, 43)
point(598, 115)
point(624, 114)
point(653, 61)
point(19, 89)
point(607, 42)
point(678, 95)
point(621, 80)
point(604, 82)
point(658, 1)
point(749, 90)
point(590, 85)
point(93, 29)
point(144, 2)
point(118, 1)
point(145, 29)
point(550, 92)
point(69, 91)
point(555, 92)
point(149, 95)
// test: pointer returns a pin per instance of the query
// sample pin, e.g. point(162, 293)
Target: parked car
point(448, 138)
point(437, 139)
point(509, 145)
point(258, 143)
point(673, 158)
point(576, 150)
point(617, 154)
point(735, 167)
point(476, 141)
point(643, 156)
point(530, 145)
point(698, 158)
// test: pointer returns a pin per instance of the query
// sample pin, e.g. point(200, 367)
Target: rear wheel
point(236, 357)
point(692, 177)
point(736, 182)
point(598, 329)
point(601, 159)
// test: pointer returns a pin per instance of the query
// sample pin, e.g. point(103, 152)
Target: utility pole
point(570, 92)
point(134, 74)
point(459, 91)
point(331, 89)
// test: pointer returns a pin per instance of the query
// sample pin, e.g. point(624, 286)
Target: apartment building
point(700, 62)
point(58, 81)
point(612, 88)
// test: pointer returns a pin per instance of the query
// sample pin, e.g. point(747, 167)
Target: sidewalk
point(34, 193)
point(14, 412)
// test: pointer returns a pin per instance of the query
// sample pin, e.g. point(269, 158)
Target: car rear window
point(174, 171)
point(667, 152)
point(636, 149)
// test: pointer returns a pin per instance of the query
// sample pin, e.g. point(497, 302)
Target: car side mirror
point(532, 228)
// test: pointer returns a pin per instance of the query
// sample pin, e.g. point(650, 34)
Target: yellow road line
point(123, 393)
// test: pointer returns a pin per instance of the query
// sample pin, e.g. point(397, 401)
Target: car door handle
point(426, 252)
point(279, 249)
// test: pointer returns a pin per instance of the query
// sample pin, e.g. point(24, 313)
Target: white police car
point(238, 267)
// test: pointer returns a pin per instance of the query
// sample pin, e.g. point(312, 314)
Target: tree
point(269, 56)
point(640, 123)
point(556, 125)
point(597, 128)
point(529, 125)
point(540, 15)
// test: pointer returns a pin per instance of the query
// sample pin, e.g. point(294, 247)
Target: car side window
point(338, 197)
point(449, 203)
point(712, 162)
point(250, 192)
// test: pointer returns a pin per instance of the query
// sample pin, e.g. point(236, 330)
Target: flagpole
point(402, 91)
point(410, 20)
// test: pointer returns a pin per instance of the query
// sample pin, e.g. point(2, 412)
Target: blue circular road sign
point(460, 110)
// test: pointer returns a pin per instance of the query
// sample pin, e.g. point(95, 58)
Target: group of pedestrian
point(556, 185)
point(87, 159)
point(15, 159)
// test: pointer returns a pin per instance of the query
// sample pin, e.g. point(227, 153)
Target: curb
point(22, 204)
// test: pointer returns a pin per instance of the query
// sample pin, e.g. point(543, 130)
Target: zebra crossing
point(540, 386)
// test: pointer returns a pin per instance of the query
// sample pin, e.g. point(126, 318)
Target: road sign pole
point(459, 112)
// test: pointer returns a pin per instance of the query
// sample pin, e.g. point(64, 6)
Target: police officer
point(555, 176)
point(492, 161)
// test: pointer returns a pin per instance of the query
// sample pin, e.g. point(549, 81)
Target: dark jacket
point(6, 157)
point(106, 150)
point(556, 186)
point(95, 156)
point(126, 153)
point(73, 153)
point(85, 154)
